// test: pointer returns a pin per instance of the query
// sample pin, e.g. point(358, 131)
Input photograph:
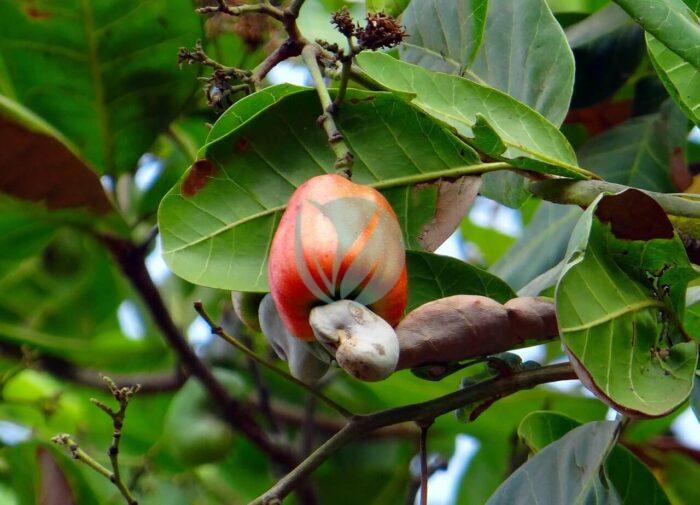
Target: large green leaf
point(493, 122)
point(431, 276)
point(114, 80)
point(515, 46)
point(565, 471)
point(444, 35)
point(542, 245)
point(638, 152)
point(672, 22)
point(681, 79)
point(620, 301)
point(217, 224)
point(632, 480)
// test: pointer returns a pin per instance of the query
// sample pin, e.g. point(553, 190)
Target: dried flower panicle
point(381, 31)
point(343, 22)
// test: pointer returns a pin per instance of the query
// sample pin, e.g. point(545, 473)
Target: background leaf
point(681, 79)
point(608, 46)
point(518, 48)
point(114, 80)
point(672, 22)
point(541, 246)
point(638, 152)
point(564, 471)
point(445, 35)
point(224, 211)
point(432, 276)
point(632, 480)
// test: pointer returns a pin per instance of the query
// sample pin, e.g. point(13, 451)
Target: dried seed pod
point(306, 361)
point(364, 344)
point(336, 240)
point(468, 326)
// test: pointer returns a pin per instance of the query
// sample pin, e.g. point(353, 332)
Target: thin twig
point(123, 395)
point(358, 426)
point(219, 331)
point(78, 454)
point(343, 156)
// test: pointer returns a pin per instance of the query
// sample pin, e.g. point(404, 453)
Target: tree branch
point(359, 426)
point(131, 260)
point(264, 7)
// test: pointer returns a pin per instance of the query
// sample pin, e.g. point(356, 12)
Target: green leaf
point(391, 7)
point(114, 83)
point(491, 243)
point(480, 114)
point(39, 165)
point(681, 79)
point(445, 35)
point(217, 223)
point(619, 302)
point(576, 6)
point(608, 46)
point(691, 321)
point(431, 276)
point(638, 152)
point(632, 480)
point(518, 48)
point(42, 305)
point(672, 22)
point(564, 471)
point(541, 246)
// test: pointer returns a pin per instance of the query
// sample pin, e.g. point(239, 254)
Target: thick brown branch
point(359, 426)
point(131, 260)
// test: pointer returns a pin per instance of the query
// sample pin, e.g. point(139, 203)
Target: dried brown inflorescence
point(381, 31)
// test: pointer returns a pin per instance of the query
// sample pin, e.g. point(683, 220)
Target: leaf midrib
point(98, 87)
point(385, 184)
point(635, 307)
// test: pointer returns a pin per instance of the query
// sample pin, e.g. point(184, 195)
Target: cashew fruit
point(336, 240)
point(305, 362)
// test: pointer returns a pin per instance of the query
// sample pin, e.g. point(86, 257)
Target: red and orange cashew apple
point(337, 240)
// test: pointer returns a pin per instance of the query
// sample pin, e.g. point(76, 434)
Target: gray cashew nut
point(307, 361)
point(363, 343)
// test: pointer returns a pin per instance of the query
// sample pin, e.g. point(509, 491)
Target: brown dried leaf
point(634, 215)
point(37, 165)
point(453, 201)
point(469, 326)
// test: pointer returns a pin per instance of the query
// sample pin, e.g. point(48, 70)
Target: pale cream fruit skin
point(307, 362)
point(363, 344)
